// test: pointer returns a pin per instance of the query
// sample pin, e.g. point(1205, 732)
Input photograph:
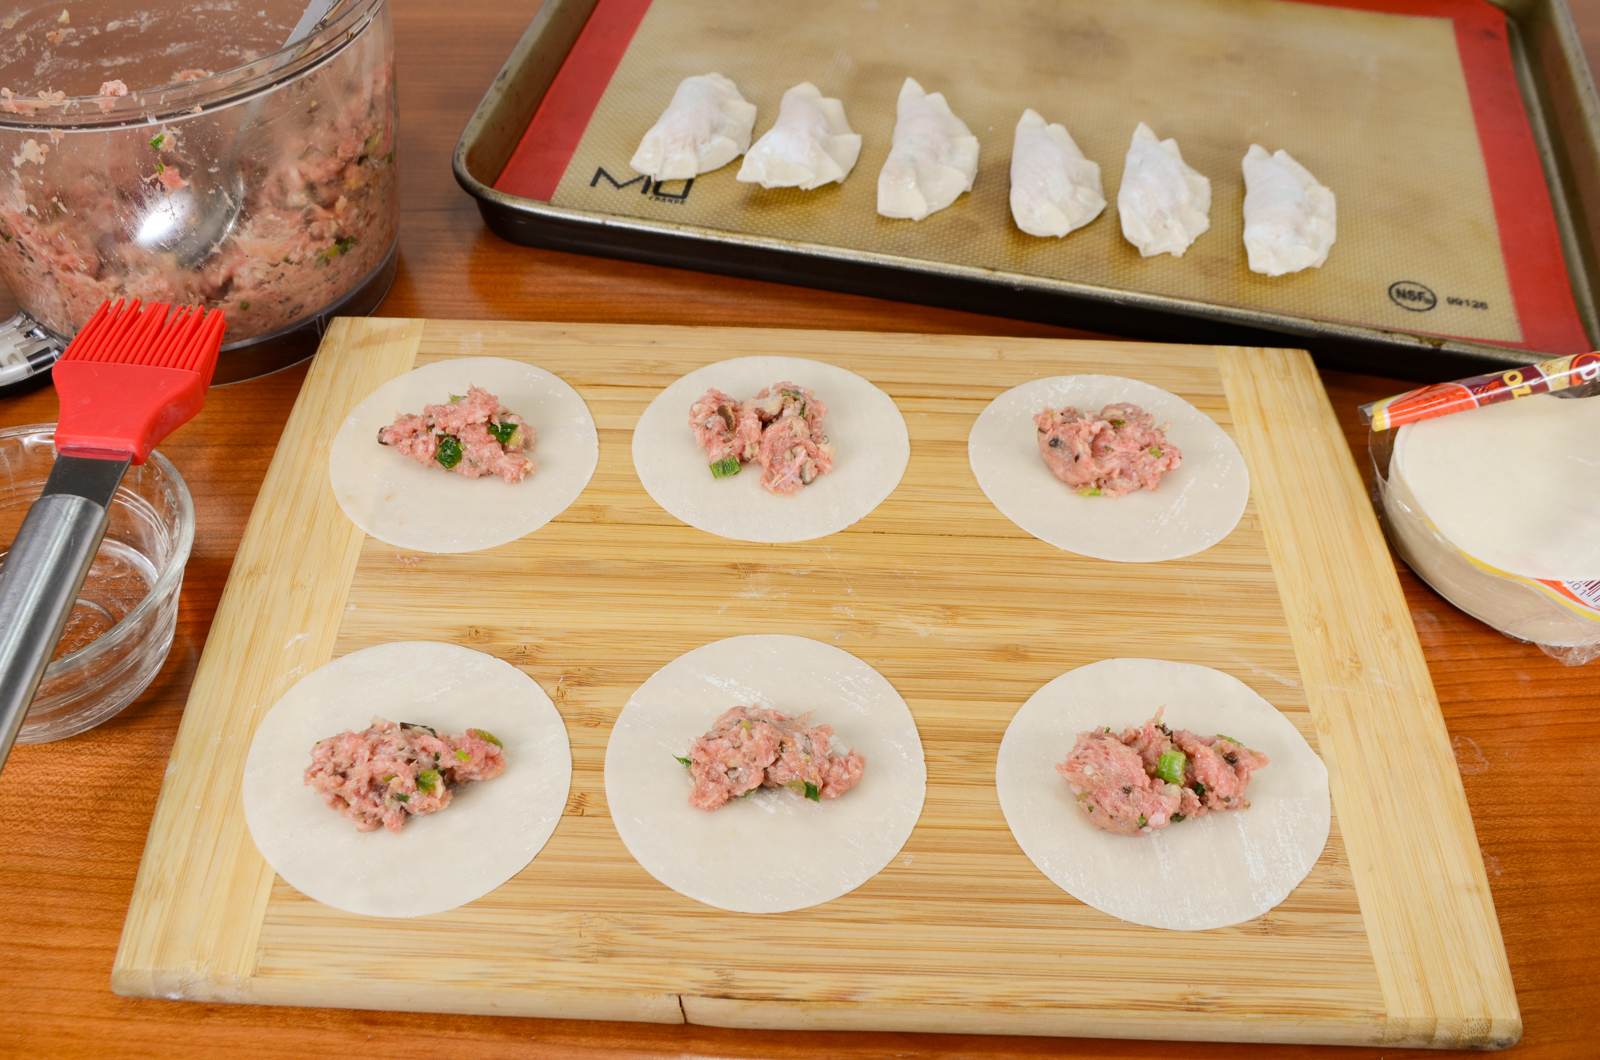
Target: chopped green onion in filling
point(338, 248)
point(1155, 450)
point(1089, 491)
point(806, 788)
point(1169, 767)
point(503, 432)
point(449, 451)
point(682, 761)
point(486, 736)
point(428, 780)
point(463, 756)
point(728, 465)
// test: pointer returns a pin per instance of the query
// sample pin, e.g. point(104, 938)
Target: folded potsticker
point(1054, 188)
point(808, 146)
point(706, 126)
point(933, 160)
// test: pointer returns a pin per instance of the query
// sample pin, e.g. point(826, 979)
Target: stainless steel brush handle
point(42, 574)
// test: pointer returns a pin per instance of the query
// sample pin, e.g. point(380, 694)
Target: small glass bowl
point(120, 630)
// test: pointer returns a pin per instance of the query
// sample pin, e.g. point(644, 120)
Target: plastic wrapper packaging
point(1561, 617)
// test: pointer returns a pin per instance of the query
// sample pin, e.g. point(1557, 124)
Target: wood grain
point(964, 613)
point(1514, 716)
point(197, 907)
point(1393, 778)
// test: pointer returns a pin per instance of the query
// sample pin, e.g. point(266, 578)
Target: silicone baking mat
point(1408, 109)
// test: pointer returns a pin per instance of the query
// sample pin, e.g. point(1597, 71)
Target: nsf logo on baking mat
point(1416, 297)
point(1411, 295)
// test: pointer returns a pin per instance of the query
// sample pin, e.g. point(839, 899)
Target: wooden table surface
point(73, 815)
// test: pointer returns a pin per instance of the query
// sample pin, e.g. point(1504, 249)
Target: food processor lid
point(172, 55)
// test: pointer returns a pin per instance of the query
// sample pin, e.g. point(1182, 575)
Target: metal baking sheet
point(1455, 133)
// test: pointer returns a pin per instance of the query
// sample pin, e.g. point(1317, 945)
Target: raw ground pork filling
point(473, 435)
point(780, 429)
point(1150, 777)
point(389, 773)
point(1117, 452)
point(751, 747)
point(725, 429)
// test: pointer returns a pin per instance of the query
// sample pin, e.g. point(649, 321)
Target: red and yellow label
point(1441, 399)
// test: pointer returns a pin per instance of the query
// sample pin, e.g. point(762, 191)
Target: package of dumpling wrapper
point(1490, 489)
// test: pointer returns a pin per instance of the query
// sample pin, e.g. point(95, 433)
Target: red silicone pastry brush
point(129, 378)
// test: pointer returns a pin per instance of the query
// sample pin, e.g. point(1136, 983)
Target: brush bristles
point(124, 333)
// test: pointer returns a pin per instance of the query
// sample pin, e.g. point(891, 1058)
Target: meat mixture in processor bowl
point(117, 147)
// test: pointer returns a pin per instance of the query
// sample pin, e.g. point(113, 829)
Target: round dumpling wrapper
point(427, 509)
point(1193, 508)
point(1515, 485)
point(490, 831)
point(871, 448)
point(1208, 872)
point(771, 851)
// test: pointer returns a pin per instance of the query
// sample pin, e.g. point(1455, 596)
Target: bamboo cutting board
point(1391, 939)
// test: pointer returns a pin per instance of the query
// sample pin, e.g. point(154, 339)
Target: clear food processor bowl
point(128, 126)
